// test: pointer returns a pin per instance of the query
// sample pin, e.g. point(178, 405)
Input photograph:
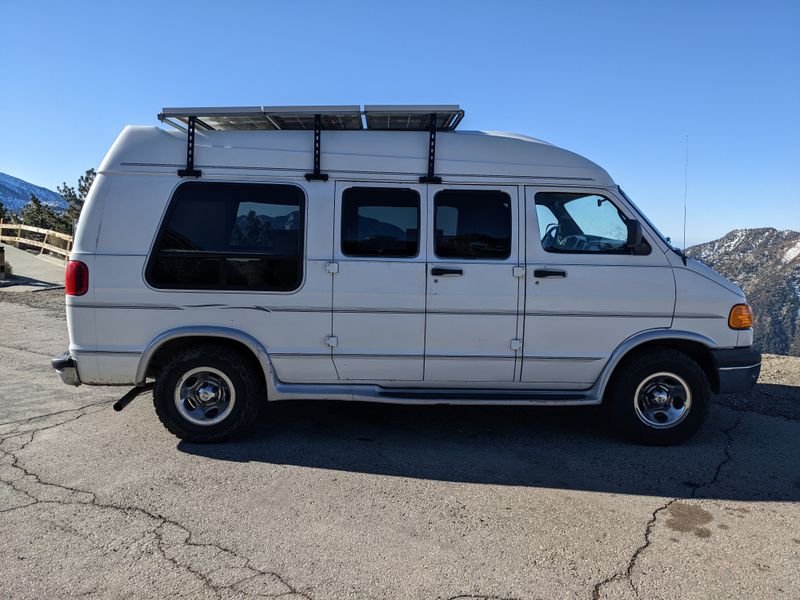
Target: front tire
point(208, 393)
point(658, 397)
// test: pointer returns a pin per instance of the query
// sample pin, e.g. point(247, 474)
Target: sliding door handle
point(549, 273)
point(443, 271)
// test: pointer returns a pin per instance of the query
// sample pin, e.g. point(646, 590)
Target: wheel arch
point(173, 340)
point(695, 345)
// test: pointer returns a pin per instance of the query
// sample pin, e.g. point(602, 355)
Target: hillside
point(15, 193)
point(765, 263)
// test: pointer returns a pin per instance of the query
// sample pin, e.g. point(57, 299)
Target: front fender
point(636, 340)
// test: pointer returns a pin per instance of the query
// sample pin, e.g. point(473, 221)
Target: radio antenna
point(685, 188)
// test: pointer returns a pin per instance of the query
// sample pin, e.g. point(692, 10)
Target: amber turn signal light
point(741, 317)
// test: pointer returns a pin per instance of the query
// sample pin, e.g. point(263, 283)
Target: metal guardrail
point(42, 244)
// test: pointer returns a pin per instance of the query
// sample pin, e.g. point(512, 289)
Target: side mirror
point(635, 236)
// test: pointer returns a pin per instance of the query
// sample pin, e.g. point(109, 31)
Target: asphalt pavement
point(335, 500)
point(32, 271)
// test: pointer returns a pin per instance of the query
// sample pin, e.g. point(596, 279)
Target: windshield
point(644, 218)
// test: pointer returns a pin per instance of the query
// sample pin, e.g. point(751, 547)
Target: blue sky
point(622, 83)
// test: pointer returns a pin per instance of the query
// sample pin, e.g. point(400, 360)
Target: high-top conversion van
point(338, 253)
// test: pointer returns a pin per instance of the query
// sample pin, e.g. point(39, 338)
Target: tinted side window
point(380, 222)
point(472, 224)
point(230, 236)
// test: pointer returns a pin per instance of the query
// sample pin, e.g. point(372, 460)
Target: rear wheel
point(658, 397)
point(208, 394)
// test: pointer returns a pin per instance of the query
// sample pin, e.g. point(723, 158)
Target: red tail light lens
point(76, 281)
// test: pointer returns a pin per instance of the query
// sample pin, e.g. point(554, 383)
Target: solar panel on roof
point(385, 117)
point(431, 118)
point(412, 118)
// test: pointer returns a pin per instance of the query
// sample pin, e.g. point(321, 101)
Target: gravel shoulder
point(51, 301)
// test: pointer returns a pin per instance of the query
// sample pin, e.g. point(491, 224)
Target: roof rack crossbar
point(431, 177)
point(377, 117)
point(190, 171)
point(317, 175)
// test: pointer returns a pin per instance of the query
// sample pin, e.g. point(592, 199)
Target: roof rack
point(431, 118)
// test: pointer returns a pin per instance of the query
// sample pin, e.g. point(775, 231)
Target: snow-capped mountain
point(765, 263)
point(15, 193)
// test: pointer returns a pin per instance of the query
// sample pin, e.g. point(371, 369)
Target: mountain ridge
point(15, 193)
point(765, 263)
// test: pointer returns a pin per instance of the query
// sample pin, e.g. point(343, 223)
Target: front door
point(379, 282)
point(472, 284)
point(586, 292)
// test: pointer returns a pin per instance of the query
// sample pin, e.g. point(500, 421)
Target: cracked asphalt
point(336, 500)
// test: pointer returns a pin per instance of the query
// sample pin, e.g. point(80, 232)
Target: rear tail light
point(76, 281)
point(741, 317)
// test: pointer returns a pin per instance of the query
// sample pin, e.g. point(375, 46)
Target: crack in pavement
point(171, 537)
point(627, 573)
point(479, 597)
point(28, 350)
point(18, 422)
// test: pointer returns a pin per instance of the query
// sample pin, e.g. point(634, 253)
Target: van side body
point(524, 320)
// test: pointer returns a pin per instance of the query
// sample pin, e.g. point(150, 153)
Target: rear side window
point(472, 224)
point(380, 222)
point(230, 236)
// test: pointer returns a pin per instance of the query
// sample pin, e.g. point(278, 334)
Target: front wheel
point(659, 397)
point(207, 394)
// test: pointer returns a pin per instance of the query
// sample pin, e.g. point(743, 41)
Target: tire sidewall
point(633, 372)
point(228, 363)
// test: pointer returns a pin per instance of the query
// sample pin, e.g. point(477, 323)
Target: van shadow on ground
point(23, 283)
point(522, 446)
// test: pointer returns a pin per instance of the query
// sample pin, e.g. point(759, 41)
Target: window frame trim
point(379, 257)
point(484, 189)
point(152, 252)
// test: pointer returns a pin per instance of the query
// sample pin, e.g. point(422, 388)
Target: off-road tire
point(248, 385)
point(620, 396)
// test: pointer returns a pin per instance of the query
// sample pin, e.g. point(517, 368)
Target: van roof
point(377, 153)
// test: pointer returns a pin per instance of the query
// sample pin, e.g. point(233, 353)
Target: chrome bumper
point(66, 368)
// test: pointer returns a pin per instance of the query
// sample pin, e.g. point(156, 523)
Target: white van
point(376, 254)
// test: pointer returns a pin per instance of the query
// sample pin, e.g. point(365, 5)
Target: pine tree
point(76, 198)
point(34, 213)
point(40, 215)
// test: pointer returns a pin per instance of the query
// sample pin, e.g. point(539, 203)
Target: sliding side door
point(379, 282)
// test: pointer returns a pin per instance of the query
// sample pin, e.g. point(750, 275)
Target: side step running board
point(488, 395)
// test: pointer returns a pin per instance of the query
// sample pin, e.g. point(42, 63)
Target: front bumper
point(66, 368)
point(737, 369)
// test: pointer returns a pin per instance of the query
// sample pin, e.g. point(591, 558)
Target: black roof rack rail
point(431, 118)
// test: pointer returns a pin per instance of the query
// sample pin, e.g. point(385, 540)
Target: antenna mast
point(685, 188)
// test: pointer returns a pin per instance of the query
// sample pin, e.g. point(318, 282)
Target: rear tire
point(658, 397)
point(208, 393)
